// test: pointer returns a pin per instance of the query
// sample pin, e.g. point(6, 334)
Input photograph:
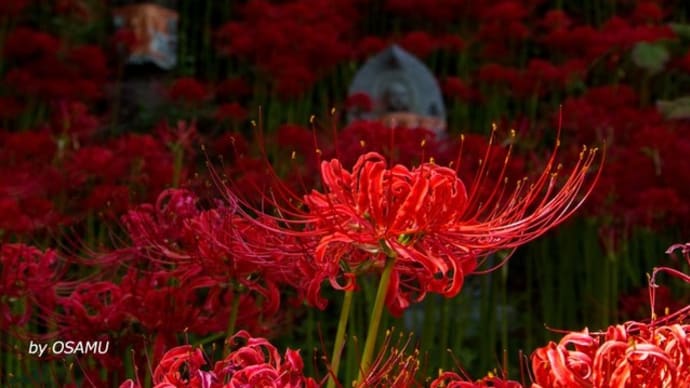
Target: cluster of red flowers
point(253, 362)
point(27, 283)
point(418, 200)
point(631, 354)
point(41, 67)
point(644, 182)
point(294, 43)
point(426, 219)
point(47, 181)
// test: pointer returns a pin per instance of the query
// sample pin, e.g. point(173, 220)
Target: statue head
point(396, 98)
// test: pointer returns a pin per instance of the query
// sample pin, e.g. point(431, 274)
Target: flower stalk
point(234, 310)
point(340, 338)
point(377, 311)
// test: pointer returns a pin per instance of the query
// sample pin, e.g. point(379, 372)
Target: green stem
point(234, 310)
point(340, 338)
point(375, 320)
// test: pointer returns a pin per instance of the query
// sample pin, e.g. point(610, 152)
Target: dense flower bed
point(187, 225)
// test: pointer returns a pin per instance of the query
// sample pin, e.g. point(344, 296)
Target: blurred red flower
point(25, 44)
point(359, 102)
point(188, 90)
point(367, 46)
point(419, 43)
point(555, 20)
point(10, 108)
point(28, 277)
point(647, 12)
point(233, 88)
point(12, 9)
point(457, 88)
point(505, 11)
point(232, 111)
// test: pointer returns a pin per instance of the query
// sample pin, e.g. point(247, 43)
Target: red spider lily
point(188, 90)
point(12, 9)
point(555, 20)
point(73, 119)
point(181, 367)
point(181, 135)
point(505, 11)
point(634, 354)
point(420, 43)
point(452, 43)
point(90, 61)
point(647, 12)
point(426, 219)
point(455, 87)
point(293, 51)
point(197, 250)
point(630, 355)
point(26, 43)
point(233, 88)
point(406, 147)
point(454, 380)
point(28, 277)
point(442, 13)
point(10, 108)
point(359, 102)
point(231, 111)
point(93, 309)
point(254, 362)
point(367, 46)
point(394, 366)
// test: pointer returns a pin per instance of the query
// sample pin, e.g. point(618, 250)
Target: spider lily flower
point(396, 364)
point(630, 355)
point(253, 362)
point(454, 380)
point(435, 227)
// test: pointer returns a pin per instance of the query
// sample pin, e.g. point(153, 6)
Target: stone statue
point(155, 30)
point(402, 89)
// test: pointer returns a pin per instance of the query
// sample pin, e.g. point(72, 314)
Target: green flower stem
point(340, 337)
point(234, 310)
point(375, 319)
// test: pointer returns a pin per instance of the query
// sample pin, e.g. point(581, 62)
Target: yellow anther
point(312, 118)
point(294, 155)
point(362, 143)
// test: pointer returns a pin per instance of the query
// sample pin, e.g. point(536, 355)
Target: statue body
point(403, 90)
